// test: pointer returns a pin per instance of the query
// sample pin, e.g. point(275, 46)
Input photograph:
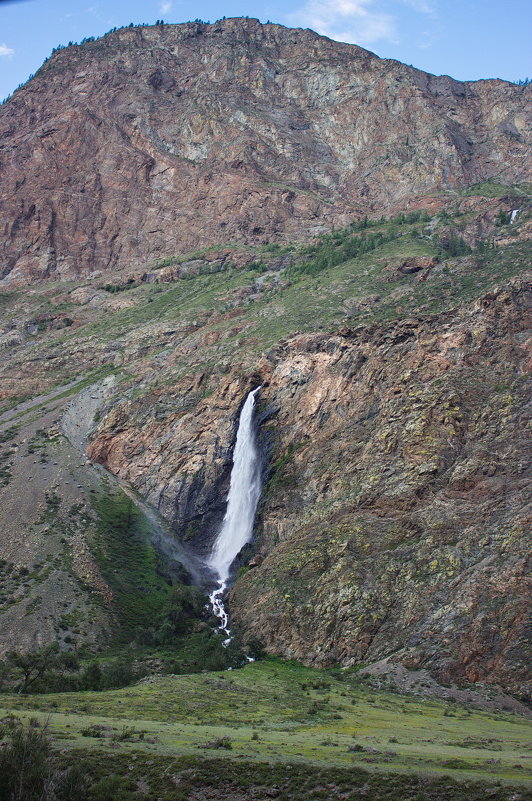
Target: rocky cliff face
point(394, 520)
point(392, 358)
point(154, 141)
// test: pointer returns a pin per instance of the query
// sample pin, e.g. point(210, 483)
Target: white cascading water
point(244, 493)
point(513, 215)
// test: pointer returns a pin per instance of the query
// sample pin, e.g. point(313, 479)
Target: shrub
point(502, 217)
point(24, 763)
point(28, 771)
point(91, 678)
point(111, 788)
point(220, 742)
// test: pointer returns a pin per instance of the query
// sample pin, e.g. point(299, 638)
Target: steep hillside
point(153, 141)
point(393, 522)
point(362, 252)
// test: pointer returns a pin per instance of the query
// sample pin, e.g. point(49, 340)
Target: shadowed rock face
point(155, 141)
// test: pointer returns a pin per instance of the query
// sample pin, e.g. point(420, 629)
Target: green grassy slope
point(242, 312)
point(298, 714)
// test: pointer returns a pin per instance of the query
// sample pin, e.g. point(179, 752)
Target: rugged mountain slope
point(153, 141)
point(394, 521)
point(392, 353)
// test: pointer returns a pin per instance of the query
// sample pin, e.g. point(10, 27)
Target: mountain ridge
point(159, 140)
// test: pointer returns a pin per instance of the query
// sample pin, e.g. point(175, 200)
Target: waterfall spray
point(244, 493)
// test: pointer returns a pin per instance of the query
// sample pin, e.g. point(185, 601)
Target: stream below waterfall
point(237, 525)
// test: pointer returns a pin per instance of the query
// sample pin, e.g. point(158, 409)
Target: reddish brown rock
point(154, 141)
point(394, 520)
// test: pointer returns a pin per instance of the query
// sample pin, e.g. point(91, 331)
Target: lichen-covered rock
point(394, 519)
point(396, 522)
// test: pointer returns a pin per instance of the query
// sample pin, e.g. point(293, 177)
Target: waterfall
point(513, 215)
point(244, 493)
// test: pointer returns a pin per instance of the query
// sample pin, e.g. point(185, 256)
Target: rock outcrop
point(154, 141)
point(394, 519)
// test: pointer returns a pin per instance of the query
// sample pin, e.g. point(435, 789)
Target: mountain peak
point(157, 140)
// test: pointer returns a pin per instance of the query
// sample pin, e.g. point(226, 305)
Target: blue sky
point(467, 39)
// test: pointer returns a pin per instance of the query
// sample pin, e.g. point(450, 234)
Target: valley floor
point(276, 729)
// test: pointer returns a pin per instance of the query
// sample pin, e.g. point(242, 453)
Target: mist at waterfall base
point(237, 525)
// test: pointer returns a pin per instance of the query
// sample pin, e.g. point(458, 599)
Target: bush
point(204, 650)
point(111, 788)
point(28, 771)
point(502, 218)
point(452, 245)
point(91, 678)
point(24, 763)
point(186, 604)
point(118, 673)
point(73, 784)
point(220, 742)
point(255, 648)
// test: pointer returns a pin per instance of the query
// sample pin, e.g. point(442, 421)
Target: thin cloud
point(6, 51)
point(95, 11)
point(165, 7)
point(422, 6)
point(427, 39)
point(346, 20)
